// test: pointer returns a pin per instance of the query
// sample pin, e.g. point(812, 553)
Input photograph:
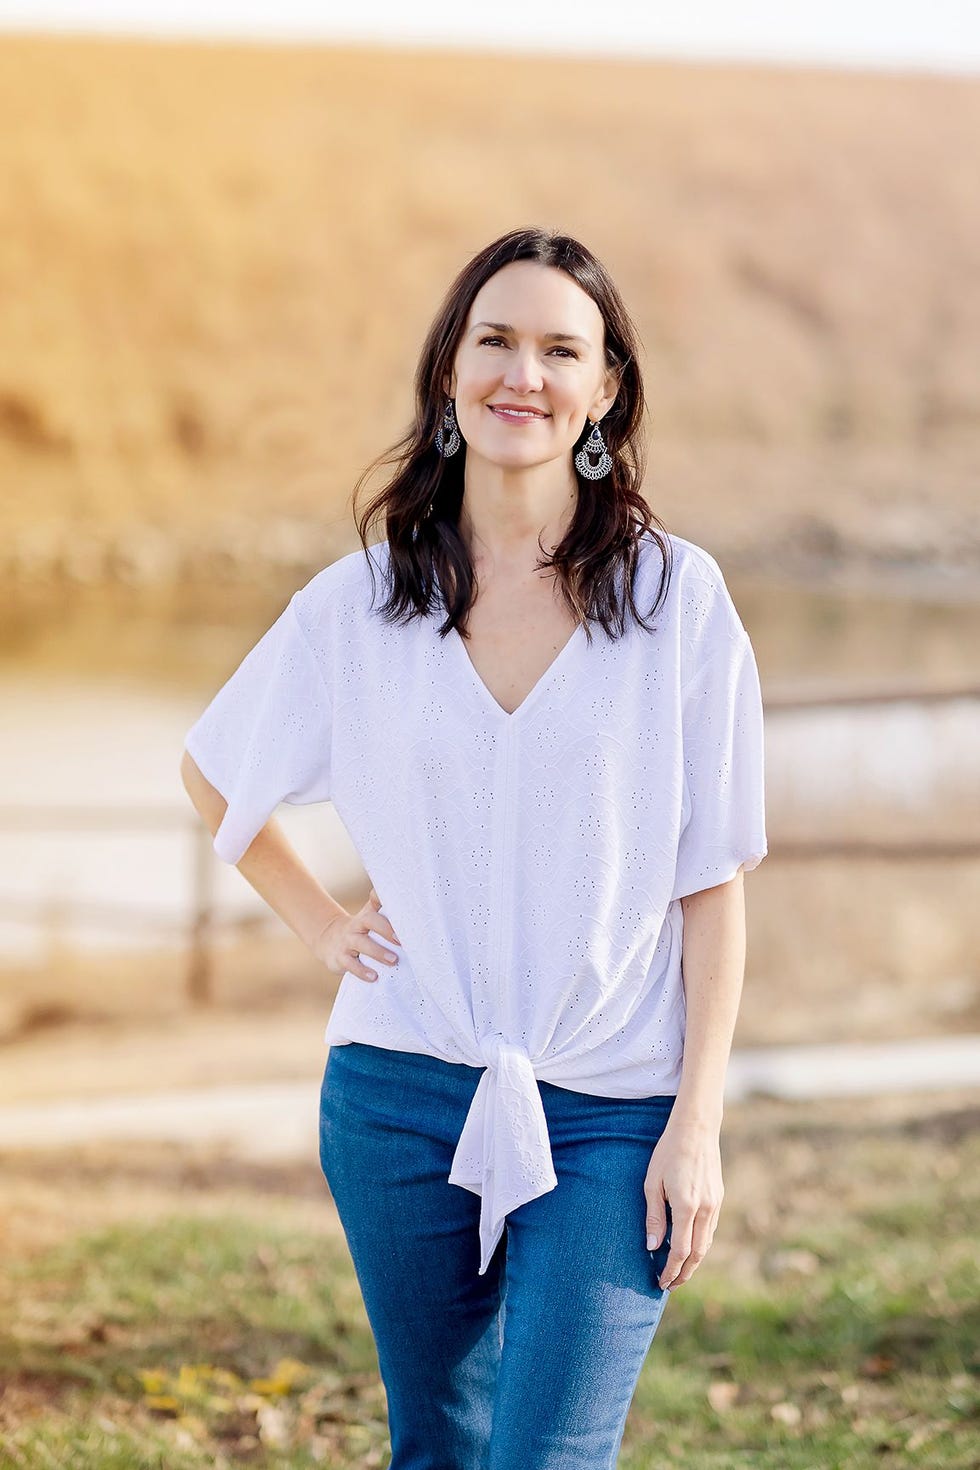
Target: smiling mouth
point(515, 416)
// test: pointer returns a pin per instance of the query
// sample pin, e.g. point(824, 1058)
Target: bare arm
point(713, 966)
point(685, 1169)
point(273, 868)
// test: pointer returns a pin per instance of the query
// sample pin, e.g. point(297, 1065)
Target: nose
point(523, 373)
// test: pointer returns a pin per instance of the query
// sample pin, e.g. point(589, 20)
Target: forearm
point(271, 866)
point(278, 875)
point(713, 967)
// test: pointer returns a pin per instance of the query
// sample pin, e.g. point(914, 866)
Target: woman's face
point(510, 353)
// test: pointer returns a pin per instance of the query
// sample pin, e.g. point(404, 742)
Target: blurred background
point(225, 233)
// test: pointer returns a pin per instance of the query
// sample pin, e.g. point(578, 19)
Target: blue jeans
point(533, 1365)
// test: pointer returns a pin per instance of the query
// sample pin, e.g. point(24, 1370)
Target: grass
point(835, 1375)
point(192, 1341)
point(829, 1326)
point(228, 236)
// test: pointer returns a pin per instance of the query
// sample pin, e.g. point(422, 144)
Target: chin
point(512, 463)
point(492, 454)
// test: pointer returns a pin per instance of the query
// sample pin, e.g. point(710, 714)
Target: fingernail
point(651, 1242)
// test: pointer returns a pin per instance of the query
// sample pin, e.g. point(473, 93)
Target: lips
point(515, 413)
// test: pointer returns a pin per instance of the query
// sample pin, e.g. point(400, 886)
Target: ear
point(447, 387)
point(602, 404)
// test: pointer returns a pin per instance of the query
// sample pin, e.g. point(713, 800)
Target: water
point(111, 736)
point(116, 743)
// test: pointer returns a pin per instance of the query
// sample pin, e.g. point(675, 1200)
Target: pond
point(99, 690)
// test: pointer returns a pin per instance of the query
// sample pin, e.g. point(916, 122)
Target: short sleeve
point(265, 736)
point(724, 770)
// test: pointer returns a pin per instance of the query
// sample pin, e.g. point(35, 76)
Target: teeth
point(514, 413)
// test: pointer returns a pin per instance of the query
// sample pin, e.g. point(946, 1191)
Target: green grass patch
point(191, 1342)
point(845, 1337)
point(860, 1349)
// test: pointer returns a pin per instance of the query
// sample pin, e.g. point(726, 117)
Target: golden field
point(218, 263)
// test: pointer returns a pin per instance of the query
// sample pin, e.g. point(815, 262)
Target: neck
point(506, 510)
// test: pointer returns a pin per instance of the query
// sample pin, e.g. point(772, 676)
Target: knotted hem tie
point(504, 1151)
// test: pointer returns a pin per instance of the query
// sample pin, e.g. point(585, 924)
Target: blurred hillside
point(217, 264)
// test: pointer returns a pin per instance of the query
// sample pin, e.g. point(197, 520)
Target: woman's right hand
point(348, 936)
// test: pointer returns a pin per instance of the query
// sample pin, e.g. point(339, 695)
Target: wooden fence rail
point(206, 921)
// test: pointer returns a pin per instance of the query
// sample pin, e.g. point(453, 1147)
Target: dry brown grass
point(218, 263)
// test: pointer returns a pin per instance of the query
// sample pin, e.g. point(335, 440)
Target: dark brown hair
point(428, 555)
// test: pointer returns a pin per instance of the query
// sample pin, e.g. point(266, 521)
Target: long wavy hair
point(596, 560)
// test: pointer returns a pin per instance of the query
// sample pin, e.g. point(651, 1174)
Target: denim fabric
point(533, 1365)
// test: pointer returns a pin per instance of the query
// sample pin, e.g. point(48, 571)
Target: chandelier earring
point(447, 435)
point(595, 444)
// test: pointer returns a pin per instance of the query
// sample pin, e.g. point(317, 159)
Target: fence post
point(200, 967)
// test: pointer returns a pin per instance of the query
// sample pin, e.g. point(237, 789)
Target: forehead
point(536, 298)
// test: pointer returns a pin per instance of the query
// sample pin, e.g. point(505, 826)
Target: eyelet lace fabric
point(531, 863)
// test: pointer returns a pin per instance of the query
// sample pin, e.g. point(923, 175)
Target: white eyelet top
point(532, 864)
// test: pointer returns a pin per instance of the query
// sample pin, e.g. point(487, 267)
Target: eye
point(567, 351)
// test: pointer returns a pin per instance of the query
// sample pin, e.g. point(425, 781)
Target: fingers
point(690, 1241)
point(378, 952)
point(379, 921)
point(370, 919)
point(658, 1211)
point(375, 951)
point(360, 970)
point(383, 926)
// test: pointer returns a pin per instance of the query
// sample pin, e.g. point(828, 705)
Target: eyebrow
point(547, 337)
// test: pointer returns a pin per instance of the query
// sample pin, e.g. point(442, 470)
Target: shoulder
point(690, 564)
point(342, 586)
point(686, 557)
point(694, 563)
point(698, 593)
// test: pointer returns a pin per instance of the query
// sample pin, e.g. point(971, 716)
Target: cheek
point(474, 382)
point(570, 403)
point(471, 405)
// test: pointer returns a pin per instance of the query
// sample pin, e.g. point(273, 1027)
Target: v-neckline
point(509, 717)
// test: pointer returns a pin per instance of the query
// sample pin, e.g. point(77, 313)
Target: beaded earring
point(447, 435)
point(595, 444)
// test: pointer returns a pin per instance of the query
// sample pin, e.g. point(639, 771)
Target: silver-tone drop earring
point(447, 435)
point(595, 444)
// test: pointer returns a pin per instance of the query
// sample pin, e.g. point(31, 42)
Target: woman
point(521, 1106)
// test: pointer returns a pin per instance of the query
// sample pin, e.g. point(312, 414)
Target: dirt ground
point(105, 1034)
point(783, 1160)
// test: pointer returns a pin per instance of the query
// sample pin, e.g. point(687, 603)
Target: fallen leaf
point(722, 1395)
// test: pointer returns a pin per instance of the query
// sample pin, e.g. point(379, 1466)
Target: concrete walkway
point(278, 1120)
point(854, 1069)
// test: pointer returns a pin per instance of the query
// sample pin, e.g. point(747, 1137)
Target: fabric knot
point(494, 1048)
point(504, 1152)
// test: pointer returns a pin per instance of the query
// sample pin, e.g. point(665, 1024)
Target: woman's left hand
point(684, 1170)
